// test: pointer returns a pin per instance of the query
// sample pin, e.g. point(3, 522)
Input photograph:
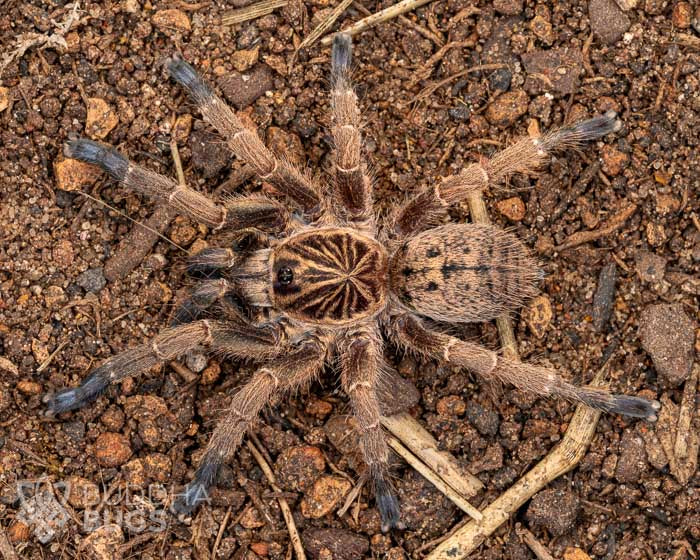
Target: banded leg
point(244, 142)
point(250, 342)
point(199, 301)
point(351, 181)
point(527, 154)
point(238, 213)
point(361, 362)
point(539, 380)
point(282, 375)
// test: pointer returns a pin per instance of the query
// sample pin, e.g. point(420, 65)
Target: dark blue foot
point(388, 506)
point(70, 399)
point(89, 151)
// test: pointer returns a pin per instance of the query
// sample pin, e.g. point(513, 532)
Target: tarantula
point(329, 280)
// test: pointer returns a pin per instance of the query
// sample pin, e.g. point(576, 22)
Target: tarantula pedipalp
point(329, 280)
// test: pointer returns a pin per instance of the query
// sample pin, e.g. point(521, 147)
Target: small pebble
point(336, 544)
point(209, 154)
point(451, 405)
point(251, 519)
point(424, 509)
point(485, 420)
point(196, 361)
point(650, 267)
point(555, 510)
point(632, 460)
point(575, 553)
point(245, 59)
point(104, 543)
point(682, 15)
point(324, 496)
point(668, 335)
point(171, 19)
point(74, 175)
point(54, 295)
point(41, 353)
point(539, 315)
point(561, 67)
point(62, 253)
point(608, 21)
point(18, 532)
point(27, 387)
point(112, 449)
point(82, 493)
point(242, 89)
point(512, 208)
point(507, 108)
point(92, 280)
point(604, 296)
point(656, 234)
point(298, 467)
point(318, 408)
point(614, 161)
point(101, 118)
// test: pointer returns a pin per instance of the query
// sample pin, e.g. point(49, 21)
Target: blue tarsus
point(89, 151)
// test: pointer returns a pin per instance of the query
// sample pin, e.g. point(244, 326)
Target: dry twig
point(409, 432)
point(427, 473)
point(560, 460)
point(538, 549)
point(614, 223)
point(325, 25)
point(253, 11)
point(284, 505)
point(381, 16)
point(56, 40)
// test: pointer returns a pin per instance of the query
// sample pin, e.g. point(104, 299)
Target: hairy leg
point(244, 142)
point(351, 181)
point(281, 375)
point(527, 154)
point(361, 362)
point(251, 342)
point(411, 333)
point(237, 213)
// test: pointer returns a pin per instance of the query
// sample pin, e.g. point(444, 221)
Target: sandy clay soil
point(615, 225)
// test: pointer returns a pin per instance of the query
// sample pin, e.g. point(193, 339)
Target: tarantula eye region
point(285, 276)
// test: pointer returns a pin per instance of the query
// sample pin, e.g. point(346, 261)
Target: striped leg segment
point(527, 154)
point(244, 142)
point(352, 184)
point(240, 340)
point(361, 362)
point(282, 375)
point(539, 380)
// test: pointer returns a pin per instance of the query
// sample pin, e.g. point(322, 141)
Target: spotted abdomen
point(463, 273)
point(330, 276)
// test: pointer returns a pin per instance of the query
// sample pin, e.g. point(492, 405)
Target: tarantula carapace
point(327, 280)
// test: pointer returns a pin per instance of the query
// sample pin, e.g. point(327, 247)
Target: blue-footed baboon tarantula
point(327, 280)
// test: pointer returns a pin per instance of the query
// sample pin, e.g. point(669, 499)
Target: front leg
point(411, 333)
point(244, 341)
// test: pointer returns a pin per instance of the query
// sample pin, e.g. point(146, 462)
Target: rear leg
point(539, 380)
